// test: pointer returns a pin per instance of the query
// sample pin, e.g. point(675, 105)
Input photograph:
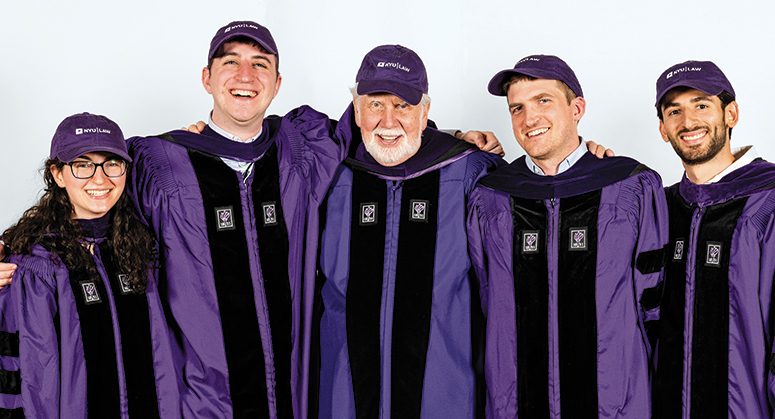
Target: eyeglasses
point(87, 169)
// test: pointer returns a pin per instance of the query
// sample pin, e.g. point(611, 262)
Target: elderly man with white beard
point(397, 316)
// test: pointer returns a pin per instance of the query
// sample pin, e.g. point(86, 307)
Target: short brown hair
point(569, 94)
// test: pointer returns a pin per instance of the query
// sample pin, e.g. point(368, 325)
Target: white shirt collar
point(743, 156)
point(564, 165)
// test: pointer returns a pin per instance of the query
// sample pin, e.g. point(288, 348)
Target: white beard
point(406, 147)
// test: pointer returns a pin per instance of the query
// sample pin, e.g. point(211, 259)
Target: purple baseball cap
point(247, 28)
point(86, 133)
point(541, 67)
point(393, 69)
point(701, 75)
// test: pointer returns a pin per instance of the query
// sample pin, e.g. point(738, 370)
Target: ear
point(579, 107)
point(58, 175)
point(206, 80)
point(731, 114)
point(357, 113)
point(662, 131)
point(426, 111)
point(277, 87)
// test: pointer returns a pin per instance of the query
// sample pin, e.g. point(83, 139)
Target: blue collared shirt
point(564, 165)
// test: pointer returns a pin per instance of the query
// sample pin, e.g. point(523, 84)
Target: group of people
point(375, 266)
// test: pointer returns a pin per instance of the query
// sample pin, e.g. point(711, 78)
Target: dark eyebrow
point(701, 98)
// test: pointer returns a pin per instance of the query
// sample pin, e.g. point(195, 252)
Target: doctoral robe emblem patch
point(419, 210)
point(224, 218)
point(368, 213)
point(713, 255)
point(90, 293)
point(123, 281)
point(678, 252)
point(270, 215)
point(530, 242)
point(578, 238)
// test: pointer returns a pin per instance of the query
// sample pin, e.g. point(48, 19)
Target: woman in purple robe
point(82, 330)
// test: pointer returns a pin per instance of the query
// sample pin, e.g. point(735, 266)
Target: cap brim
point(495, 86)
point(411, 95)
point(261, 42)
point(710, 89)
point(71, 155)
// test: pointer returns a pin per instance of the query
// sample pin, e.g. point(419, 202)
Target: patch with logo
point(270, 215)
point(224, 218)
point(419, 209)
point(713, 254)
point(678, 251)
point(530, 241)
point(368, 213)
point(123, 281)
point(578, 239)
point(90, 293)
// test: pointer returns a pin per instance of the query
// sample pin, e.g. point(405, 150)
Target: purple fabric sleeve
point(35, 289)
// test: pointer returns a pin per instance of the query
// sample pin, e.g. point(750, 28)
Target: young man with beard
point(398, 333)
point(235, 209)
point(714, 353)
point(569, 251)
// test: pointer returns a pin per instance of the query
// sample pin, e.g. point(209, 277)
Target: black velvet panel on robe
point(221, 196)
point(364, 290)
point(577, 313)
point(99, 349)
point(710, 345)
point(273, 248)
point(136, 345)
point(668, 381)
point(413, 293)
point(531, 292)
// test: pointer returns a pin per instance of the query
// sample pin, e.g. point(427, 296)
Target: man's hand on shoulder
point(485, 140)
point(195, 128)
point(599, 150)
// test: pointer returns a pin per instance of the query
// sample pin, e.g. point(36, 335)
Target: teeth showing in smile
point(243, 93)
point(386, 138)
point(693, 137)
point(98, 193)
point(537, 132)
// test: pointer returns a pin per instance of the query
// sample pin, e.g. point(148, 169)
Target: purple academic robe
point(234, 251)
point(75, 346)
point(398, 331)
point(569, 267)
point(715, 349)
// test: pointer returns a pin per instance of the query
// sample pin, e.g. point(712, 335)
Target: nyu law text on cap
point(87, 133)
point(393, 69)
point(247, 28)
point(701, 75)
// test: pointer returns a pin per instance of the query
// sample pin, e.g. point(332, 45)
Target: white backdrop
point(140, 64)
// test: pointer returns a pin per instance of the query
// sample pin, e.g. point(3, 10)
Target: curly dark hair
point(50, 223)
